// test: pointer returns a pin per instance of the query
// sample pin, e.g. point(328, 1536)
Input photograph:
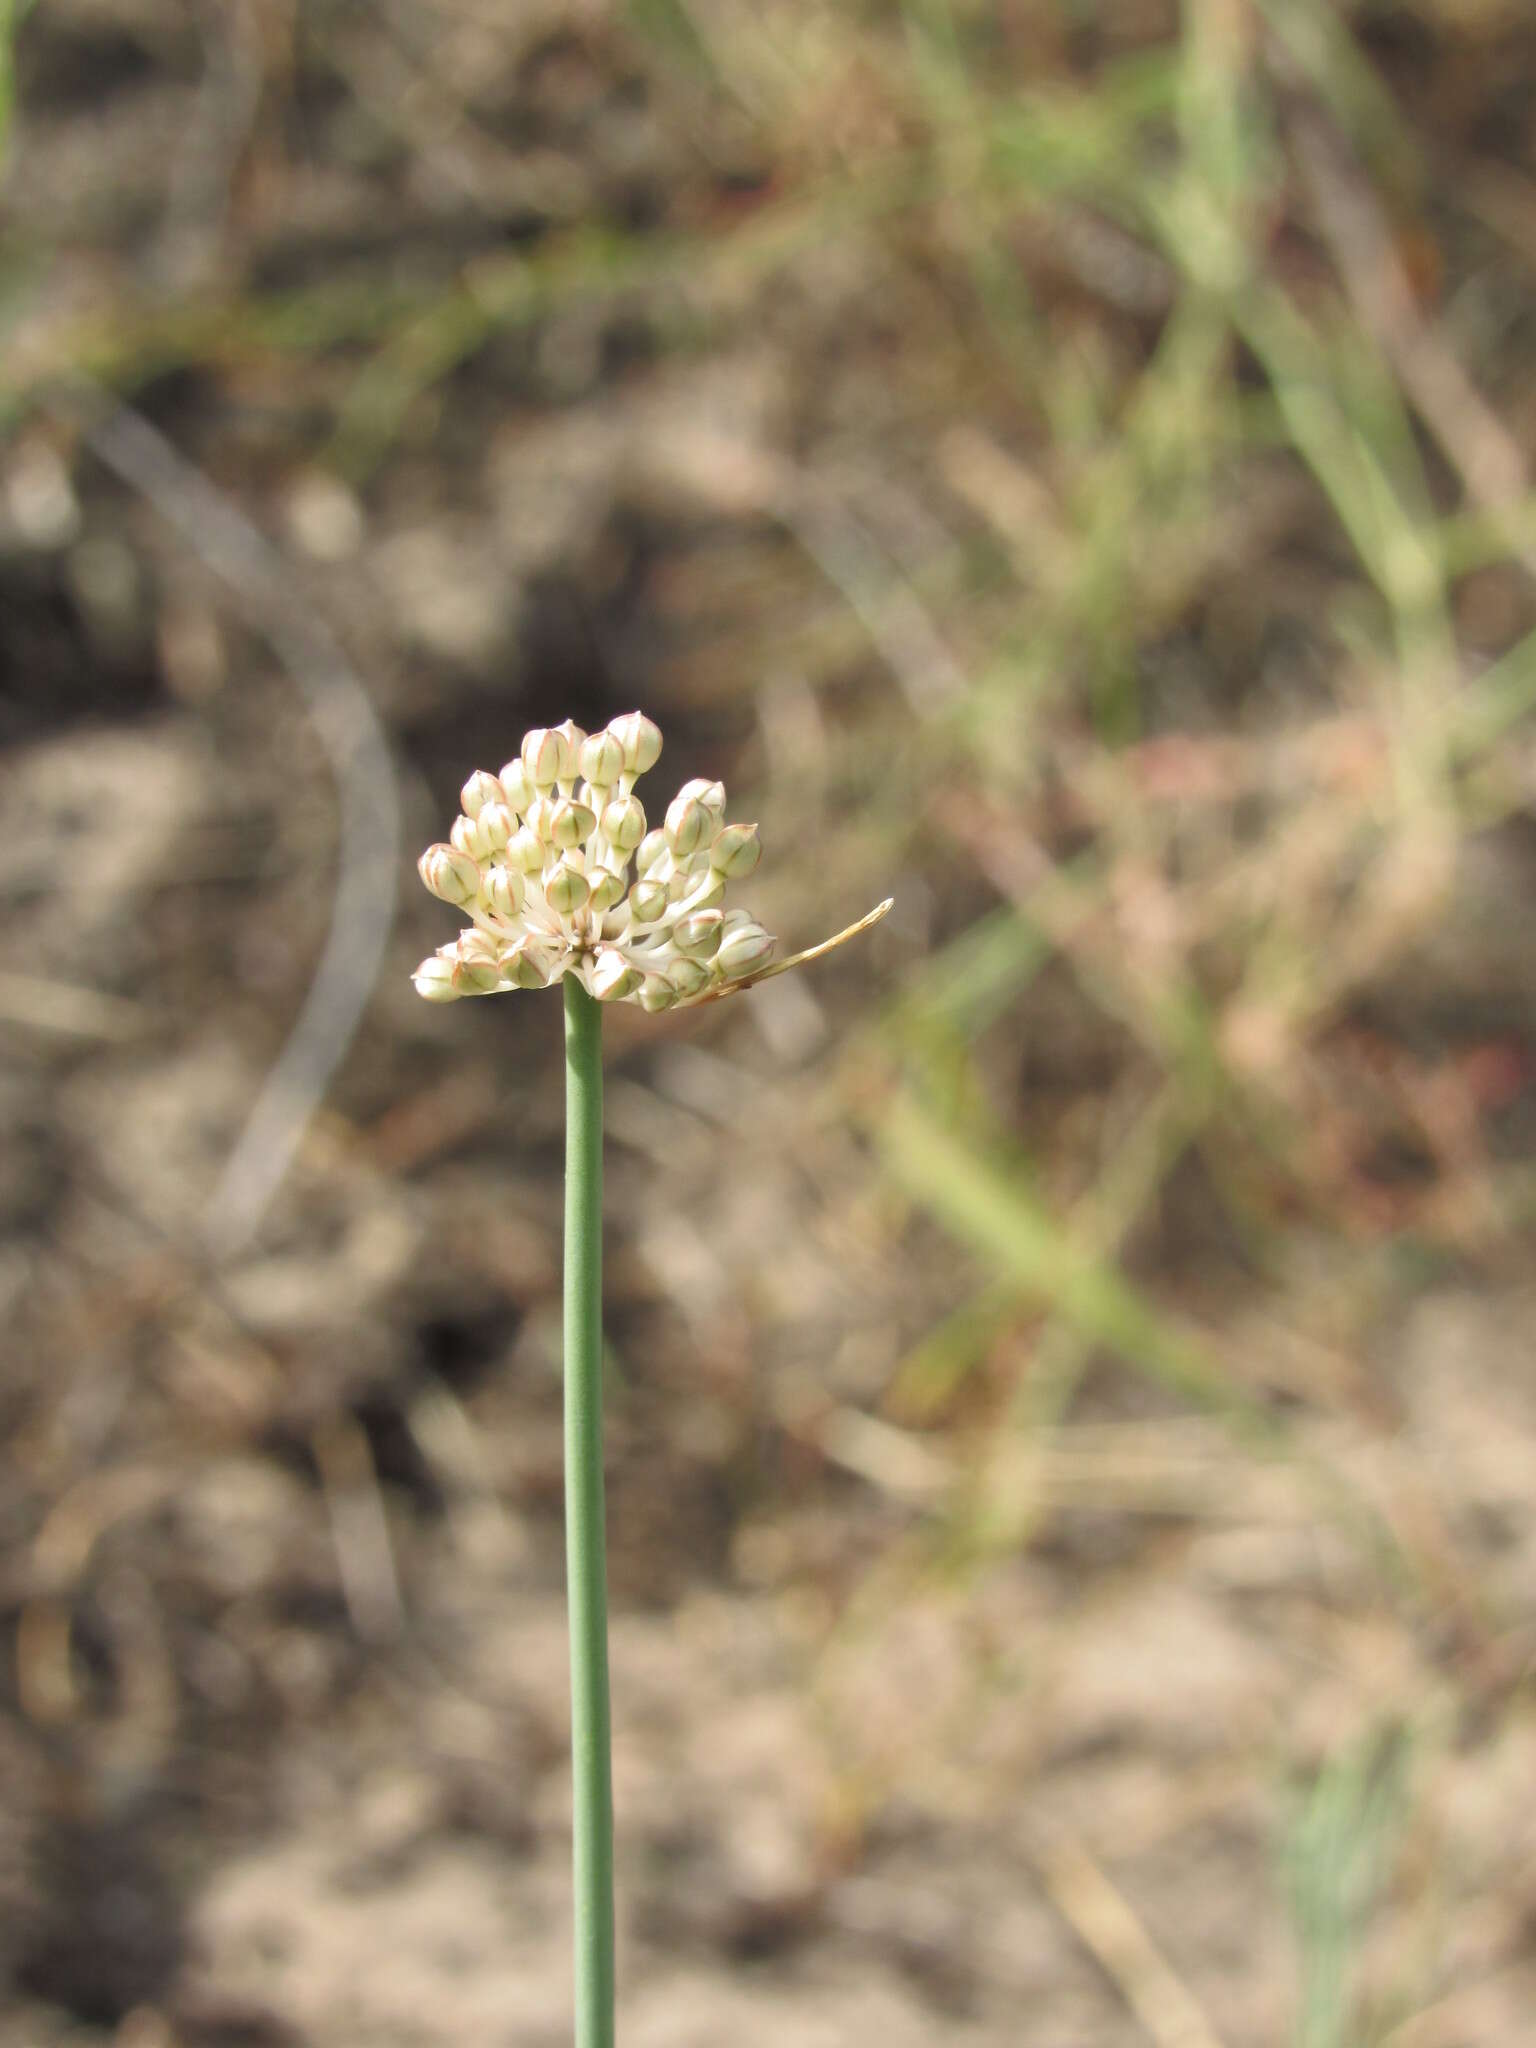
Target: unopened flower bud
point(570, 824)
point(567, 889)
point(612, 978)
point(476, 967)
point(517, 787)
point(449, 873)
point(607, 889)
point(687, 977)
point(503, 889)
point(602, 760)
point(575, 738)
point(640, 740)
point(624, 823)
point(657, 993)
point(547, 756)
point(525, 964)
point(497, 824)
point(480, 790)
point(697, 936)
point(736, 851)
point(434, 980)
point(651, 852)
point(464, 833)
point(648, 901)
point(710, 794)
point(688, 824)
point(524, 851)
point(743, 950)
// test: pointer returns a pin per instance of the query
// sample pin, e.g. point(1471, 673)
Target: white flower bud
point(503, 891)
point(624, 823)
point(688, 824)
point(611, 977)
point(477, 966)
point(525, 963)
point(480, 790)
point(524, 851)
point(547, 756)
point(648, 901)
point(434, 980)
point(464, 833)
point(710, 794)
point(575, 738)
point(607, 890)
point(697, 936)
point(656, 993)
point(570, 824)
point(743, 950)
point(652, 851)
point(493, 828)
point(449, 873)
point(639, 739)
point(517, 788)
point(736, 851)
point(566, 889)
point(602, 760)
point(687, 977)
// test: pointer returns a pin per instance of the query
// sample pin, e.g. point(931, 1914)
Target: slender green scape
point(586, 1563)
point(539, 861)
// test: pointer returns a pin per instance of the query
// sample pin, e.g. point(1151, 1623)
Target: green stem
point(586, 1568)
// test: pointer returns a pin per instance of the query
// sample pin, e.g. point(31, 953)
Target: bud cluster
point(540, 860)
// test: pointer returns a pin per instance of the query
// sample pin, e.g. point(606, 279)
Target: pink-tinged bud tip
point(639, 739)
point(517, 788)
point(602, 760)
point(688, 824)
point(566, 890)
point(743, 951)
point(480, 790)
point(449, 873)
point(736, 851)
point(624, 823)
point(503, 891)
point(548, 756)
point(570, 824)
point(612, 978)
point(697, 936)
point(434, 981)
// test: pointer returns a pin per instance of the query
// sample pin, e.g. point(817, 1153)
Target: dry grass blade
point(69, 1012)
point(1471, 435)
point(1012, 1230)
point(1104, 1920)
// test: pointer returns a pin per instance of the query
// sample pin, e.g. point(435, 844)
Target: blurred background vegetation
point(1073, 1500)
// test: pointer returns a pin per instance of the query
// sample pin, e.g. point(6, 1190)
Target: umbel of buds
point(540, 861)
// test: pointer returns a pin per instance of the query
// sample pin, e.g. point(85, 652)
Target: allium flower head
point(540, 859)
